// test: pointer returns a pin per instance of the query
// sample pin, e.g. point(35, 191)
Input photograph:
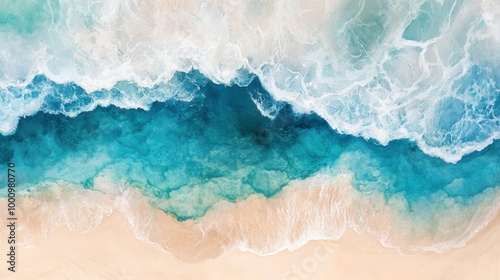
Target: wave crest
point(375, 69)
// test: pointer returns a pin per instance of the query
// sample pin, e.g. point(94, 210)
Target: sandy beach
point(85, 234)
point(112, 252)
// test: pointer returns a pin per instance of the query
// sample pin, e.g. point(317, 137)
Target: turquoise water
point(422, 70)
point(214, 144)
point(25, 17)
point(194, 103)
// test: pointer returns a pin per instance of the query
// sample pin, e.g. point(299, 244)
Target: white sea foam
point(370, 68)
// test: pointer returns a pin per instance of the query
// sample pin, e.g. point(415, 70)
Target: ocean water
point(218, 146)
point(196, 103)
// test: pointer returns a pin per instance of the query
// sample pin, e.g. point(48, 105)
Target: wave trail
point(423, 70)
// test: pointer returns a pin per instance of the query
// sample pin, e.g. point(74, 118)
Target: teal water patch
point(364, 27)
point(217, 146)
point(186, 155)
point(26, 16)
point(430, 19)
point(471, 115)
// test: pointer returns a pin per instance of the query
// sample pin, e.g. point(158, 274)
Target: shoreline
point(315, 228)
point(111, 251)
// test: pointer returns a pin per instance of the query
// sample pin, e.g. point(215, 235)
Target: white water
point(375, 69)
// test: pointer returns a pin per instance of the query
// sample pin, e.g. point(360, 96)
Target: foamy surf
point(370, 69)
point(207, 163)
point(257, 126)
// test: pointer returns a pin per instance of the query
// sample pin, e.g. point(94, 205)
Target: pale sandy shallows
point(112, 252)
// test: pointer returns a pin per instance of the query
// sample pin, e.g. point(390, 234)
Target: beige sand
point(112, 252)
point(318, 206)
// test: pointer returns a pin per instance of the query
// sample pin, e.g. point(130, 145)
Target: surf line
point(11, 218)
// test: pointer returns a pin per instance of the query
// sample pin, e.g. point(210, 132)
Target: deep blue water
point(219, 146)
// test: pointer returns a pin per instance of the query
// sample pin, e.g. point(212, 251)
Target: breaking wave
point(427, 71)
